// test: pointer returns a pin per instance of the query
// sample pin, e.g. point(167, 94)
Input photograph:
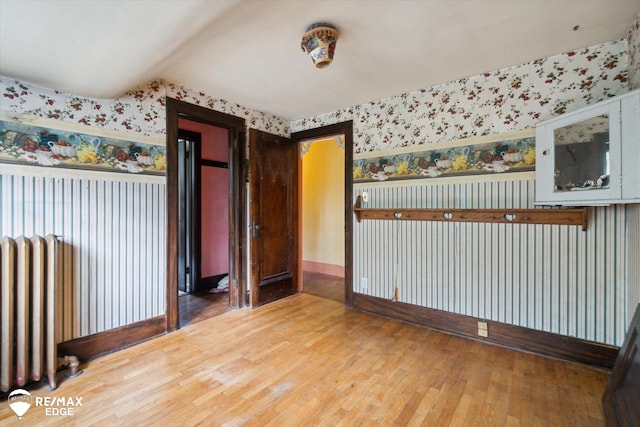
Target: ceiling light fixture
point(319, 42)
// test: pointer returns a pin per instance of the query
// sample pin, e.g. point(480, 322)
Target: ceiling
point(248, 51)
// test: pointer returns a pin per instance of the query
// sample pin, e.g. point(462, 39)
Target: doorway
point(238, 244)
point(203, 255)
point(322, 217)
point(319, 280)
point(236, 193)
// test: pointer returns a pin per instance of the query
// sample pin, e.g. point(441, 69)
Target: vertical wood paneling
point(112, 254)
point(108, 273)
point(633, 248)
point(548, 277)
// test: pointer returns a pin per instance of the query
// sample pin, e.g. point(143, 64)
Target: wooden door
point(622, 394)
point(273, 187)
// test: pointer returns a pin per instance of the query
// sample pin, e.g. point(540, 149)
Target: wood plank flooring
point(195, 307)
point(203, 305)
point(323, 285)
point(306, 361)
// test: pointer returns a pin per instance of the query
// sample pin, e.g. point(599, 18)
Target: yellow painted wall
point(323, 203)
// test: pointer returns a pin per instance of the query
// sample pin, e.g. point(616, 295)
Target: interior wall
point(553, 279)
point(215, 140)
point(113, 225)
point(634, 54)
point(214, 218)
point(323, 207)
point(111, 229)
point(491, 103)
point(634, 210)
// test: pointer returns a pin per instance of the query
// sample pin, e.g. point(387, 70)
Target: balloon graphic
point(20, 402)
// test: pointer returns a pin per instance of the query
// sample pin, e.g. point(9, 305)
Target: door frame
point(176, 109)
point(346, 129)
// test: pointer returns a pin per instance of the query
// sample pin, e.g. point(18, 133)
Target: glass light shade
point(319, 42)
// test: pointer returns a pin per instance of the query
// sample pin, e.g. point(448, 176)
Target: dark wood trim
point(91, 346)
point(346, 129)
point(173, 319)
point(577, 216)
point(622, 394)
point(237, 206)
point(515, 337)
point(214, 163)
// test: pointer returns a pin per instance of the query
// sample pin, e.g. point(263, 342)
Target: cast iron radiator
point(28, 320)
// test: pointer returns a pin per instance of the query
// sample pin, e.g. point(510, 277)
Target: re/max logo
point(58, 401)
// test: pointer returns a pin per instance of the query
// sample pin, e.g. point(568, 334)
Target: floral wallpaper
point(634, 54)
point(254, 119)
point(140, 111)
point(496, 102)
point(500, 101)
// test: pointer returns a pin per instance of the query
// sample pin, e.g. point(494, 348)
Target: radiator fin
point(28, 323)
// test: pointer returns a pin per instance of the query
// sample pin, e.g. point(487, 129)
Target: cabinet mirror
point(581, 155)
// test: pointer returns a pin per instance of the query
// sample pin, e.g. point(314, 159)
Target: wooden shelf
point(577, 216)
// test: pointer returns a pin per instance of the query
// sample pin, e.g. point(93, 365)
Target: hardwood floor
point(306, 360)
point(201, 305)
point(323, 285)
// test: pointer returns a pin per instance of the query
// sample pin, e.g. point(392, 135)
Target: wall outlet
point(365, 197)
point(483, 330)
point(364, 283)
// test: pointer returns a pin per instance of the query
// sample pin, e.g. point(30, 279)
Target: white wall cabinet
point(591, 156)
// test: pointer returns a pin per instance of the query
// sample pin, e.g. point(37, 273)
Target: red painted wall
point(215, 198)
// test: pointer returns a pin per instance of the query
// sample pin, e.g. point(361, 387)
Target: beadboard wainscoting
point(552, 278)
point(112, 232)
